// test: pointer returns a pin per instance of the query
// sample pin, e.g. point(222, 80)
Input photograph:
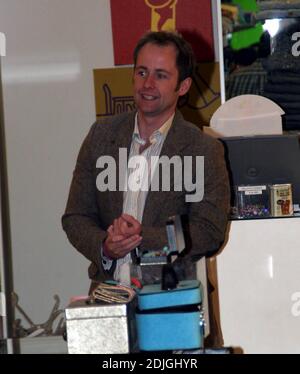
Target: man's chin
point(147, 112)
point(151, 113)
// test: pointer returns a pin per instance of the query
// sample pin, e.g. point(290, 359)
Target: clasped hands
point(123, 236)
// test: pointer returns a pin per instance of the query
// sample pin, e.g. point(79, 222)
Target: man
point(107, 226)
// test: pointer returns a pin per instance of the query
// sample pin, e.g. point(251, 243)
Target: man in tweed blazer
point(93, 219)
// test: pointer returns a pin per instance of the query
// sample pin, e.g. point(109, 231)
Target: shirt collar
point(157, 134)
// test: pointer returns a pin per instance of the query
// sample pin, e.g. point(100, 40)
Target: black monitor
point(259, 160)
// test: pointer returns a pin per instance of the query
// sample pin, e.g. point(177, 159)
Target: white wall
point(259, 286)
point(52, 48)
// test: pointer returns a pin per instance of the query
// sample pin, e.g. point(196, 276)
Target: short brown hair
point(185, 58)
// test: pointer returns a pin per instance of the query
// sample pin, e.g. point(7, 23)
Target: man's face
point(155, 81)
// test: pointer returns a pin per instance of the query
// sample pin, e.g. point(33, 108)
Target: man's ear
point(185, 86)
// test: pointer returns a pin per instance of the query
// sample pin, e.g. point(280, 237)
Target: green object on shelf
point(246, 37)
point(249, 6)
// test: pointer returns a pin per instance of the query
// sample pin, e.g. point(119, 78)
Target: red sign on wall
point(132, 18)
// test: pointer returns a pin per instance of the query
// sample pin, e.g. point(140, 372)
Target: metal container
point(100, 328)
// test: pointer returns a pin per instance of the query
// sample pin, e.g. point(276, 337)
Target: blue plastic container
point(169, 320)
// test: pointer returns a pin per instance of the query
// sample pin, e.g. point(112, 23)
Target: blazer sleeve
point(209, 217)
point(80, 220)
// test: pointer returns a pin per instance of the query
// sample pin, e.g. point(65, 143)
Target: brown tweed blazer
point(89, 212)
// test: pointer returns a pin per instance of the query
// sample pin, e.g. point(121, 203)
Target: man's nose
point(149, 81)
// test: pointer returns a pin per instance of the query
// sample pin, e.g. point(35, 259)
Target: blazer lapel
point(121, 141)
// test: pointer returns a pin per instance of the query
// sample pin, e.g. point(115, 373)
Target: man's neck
point(147, 124)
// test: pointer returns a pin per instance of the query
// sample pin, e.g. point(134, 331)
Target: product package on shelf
point(281, 200)
point(252, 202)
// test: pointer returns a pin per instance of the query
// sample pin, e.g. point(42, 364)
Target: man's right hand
point(127, 225)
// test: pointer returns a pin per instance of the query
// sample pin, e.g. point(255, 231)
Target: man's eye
point(141, 73)
point(161, 76)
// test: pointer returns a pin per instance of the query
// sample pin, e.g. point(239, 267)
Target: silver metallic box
point(100, 328)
